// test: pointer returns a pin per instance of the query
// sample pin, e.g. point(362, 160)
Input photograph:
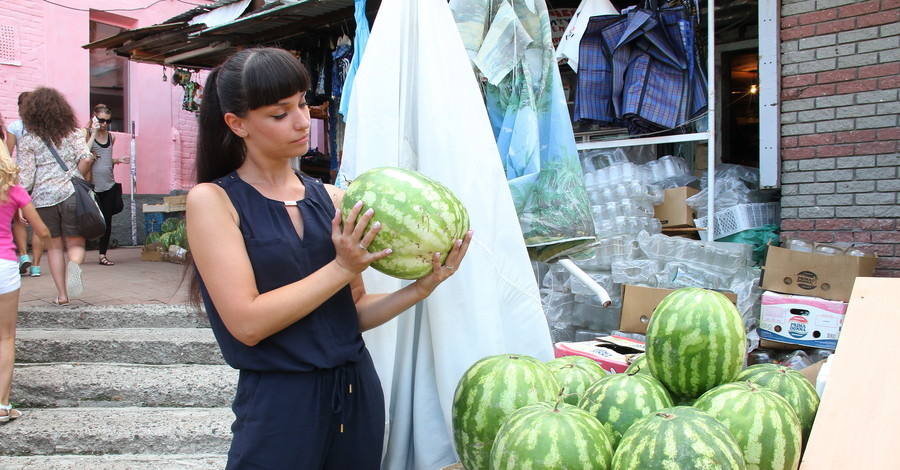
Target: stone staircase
point(133, 387)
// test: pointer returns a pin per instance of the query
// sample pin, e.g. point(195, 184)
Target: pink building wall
point(49, 50)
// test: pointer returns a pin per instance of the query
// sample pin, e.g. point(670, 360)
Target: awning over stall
point(203, 37)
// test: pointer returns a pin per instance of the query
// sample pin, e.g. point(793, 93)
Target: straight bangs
point(271, 75)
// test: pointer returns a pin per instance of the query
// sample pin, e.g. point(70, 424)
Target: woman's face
point(280, 130)
point(104, 119)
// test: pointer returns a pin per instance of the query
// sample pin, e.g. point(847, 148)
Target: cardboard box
point(152, 252)
point(856, 425)
point(823, 276)
point(176, 203)
point(799, 319)
point(674, 211)
point(639, 302)
point(155, 208)
point(613, 353)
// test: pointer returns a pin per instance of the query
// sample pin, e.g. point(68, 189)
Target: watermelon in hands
point(419, 217)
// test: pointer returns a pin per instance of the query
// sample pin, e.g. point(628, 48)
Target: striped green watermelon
point(619, 400)
point(575, 374)
point(678, 438)
point(487, 393)
point(791, 385)
point(638, 365)
point(695, 341)
point(548, 435)
point(763, 423)
point(419, 216)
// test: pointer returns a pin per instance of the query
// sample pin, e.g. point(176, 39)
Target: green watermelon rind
point(680, 437)
point(575, 374)
point(762, 422)
point(620, 400)
point(487, 393)
point(793, 386)
point(419, 216)
point(548, 435)
point(695, 341)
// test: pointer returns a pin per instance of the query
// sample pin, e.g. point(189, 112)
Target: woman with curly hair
point(52, 128)
point(12, 199)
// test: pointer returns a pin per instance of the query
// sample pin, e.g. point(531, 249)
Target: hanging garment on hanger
point(568, 45)
point(359, 46)
point(640, 69)
point(416, 104)
point(530, 118)
point(594, 94)
point(341, 56)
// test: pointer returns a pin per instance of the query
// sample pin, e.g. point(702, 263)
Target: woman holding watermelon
point(280, 276)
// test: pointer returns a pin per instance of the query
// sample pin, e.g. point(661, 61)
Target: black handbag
point(88, 216)
point(118, 203)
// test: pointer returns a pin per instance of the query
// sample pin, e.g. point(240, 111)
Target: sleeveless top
point(102, 170)
point(326, 338)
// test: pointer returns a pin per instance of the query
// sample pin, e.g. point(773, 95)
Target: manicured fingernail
point(389, 251)
point(370, 211)
point(337, 212)
point(458, 243)
point(376, 225)
point(357, 205)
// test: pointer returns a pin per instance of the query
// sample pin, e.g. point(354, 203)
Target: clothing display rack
point(708, 136)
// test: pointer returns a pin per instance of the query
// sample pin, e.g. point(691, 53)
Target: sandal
point(9, 413)
point(105, 261)
point(56, 302)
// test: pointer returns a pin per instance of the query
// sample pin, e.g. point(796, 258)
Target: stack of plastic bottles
point(631, 249)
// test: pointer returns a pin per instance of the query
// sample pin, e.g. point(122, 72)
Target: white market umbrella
point(416, 104)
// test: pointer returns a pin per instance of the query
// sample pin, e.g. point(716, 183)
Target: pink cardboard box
point(613, 353)
point(801, 320)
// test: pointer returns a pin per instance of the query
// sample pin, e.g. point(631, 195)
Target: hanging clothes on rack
point(359, 46)
point(568, 46)
point(648, 54)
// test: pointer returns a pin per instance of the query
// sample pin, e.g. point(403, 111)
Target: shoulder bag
point(88, 216)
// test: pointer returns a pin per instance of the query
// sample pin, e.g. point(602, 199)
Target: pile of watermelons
point(172, 233)
point(690, 406)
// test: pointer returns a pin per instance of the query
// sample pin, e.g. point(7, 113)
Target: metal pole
point(133, 186)
point(711, 119)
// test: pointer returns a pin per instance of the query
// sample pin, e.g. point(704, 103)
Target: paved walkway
point(130, 281)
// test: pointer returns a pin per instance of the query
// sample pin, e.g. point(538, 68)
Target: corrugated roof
point(198, 46)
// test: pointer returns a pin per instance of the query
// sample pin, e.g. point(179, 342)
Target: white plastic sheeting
point(416, 104)
point(571, 39)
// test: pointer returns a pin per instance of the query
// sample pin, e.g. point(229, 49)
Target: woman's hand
point(428, 283)
point(352, 241)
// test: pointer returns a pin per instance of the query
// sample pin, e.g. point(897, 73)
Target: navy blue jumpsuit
point(308, 397)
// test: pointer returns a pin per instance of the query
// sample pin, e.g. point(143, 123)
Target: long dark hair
point(48, 115)
point(248, 80)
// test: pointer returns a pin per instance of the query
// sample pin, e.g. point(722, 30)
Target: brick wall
point(839, 123)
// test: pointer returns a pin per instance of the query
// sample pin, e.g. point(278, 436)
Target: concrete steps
point(125, 345)
point(119, 387)
point(88, 384)
point(117, 316)
point(127, 430)
point(116, 462)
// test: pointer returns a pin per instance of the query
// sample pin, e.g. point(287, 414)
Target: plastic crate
point(153, 222)
point(739, 218)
